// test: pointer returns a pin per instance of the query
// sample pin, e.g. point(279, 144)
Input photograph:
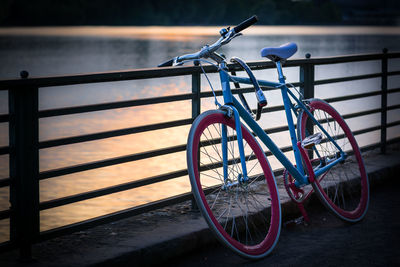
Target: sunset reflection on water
point(192, 32)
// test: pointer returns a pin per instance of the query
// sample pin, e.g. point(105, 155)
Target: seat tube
point(289, 117)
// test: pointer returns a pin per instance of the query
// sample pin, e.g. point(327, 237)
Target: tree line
point(167, 12)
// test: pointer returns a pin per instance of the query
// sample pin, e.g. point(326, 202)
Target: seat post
point(280, 72)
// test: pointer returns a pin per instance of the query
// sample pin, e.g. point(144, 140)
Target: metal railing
point(24, 144)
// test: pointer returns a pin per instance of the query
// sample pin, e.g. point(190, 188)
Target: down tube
point(267, 141)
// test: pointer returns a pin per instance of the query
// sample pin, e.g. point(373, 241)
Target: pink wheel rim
point(270, 238)
point(360, 209)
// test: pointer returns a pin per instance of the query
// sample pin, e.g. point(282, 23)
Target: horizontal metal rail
point(110, 190)
point(4, 214)
point(347, 79)
point(4, 150)
point(4, 118)
point(4, 182)
point(115, 105)
point(110, 162)
point(113, 133)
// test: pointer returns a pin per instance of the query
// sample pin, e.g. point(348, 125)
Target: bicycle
point(232, 181)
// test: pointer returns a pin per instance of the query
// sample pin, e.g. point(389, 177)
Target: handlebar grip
point(245, 24)
point(166, 63)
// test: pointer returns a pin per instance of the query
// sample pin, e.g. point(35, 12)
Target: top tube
point(260, 82)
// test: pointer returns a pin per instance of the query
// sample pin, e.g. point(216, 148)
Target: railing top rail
point(134, 74)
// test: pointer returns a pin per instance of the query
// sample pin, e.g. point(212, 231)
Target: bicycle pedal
point(311, 140)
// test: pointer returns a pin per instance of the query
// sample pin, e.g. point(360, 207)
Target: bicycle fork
point(242, 177)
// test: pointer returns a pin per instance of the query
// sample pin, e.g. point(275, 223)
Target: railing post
point(307, 77)
point(24, 168)
point(384, 100)
point(196, 102)
point(196, 105)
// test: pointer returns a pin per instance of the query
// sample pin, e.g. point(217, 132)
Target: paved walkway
point(169, 234)
point(326, 241)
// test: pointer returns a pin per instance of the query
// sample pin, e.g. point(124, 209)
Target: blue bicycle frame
point(239, 111)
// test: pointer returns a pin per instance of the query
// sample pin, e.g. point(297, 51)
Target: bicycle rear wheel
point(244, 216)
point(344, 188)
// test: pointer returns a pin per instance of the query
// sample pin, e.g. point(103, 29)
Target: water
point(68, 50)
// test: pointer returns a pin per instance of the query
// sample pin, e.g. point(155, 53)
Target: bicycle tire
point(245, 217)
point(343, 189)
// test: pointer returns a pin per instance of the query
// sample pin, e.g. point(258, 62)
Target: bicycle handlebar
point(208, 50)
point(245, 24)
point(166, 63)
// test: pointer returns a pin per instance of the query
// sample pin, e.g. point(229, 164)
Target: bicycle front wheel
point(344, 188)
point(244, 216)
